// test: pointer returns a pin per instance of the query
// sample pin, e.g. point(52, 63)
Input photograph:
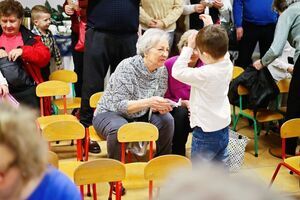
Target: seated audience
point(24, 169)
point(26, 50)
point(135, 93)
point(177, 90)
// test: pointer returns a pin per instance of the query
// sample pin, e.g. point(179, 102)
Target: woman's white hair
point(149, 39)
point(184, 39)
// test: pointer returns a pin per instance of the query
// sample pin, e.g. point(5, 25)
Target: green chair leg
point(256, 132)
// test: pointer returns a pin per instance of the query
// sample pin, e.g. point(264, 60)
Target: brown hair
point(36, 10)
point(213, 40)
point(11, 7)
point(18, 131)
point(280, 5)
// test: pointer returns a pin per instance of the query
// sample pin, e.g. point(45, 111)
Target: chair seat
point(45, 120)
point(282, 109)
point(94, 136)
point(293, 162)
point(135, 176)
point(68, 167)
point(264, 115)
point(71, 103)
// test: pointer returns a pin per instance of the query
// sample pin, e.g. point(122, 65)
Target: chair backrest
point(52, 88)
point(284, 85)
point(99, 170)
point(94, 99)
point(137, 132)
point(53, 159)
point(63, 130)
point(237, 71)
point(159, 168)
point(290, 128)
point(67, 76)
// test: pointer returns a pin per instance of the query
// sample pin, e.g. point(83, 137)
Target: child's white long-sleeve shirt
point(2, 80)
point(209, 104)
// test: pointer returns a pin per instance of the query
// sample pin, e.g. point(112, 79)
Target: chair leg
point(235, 122)
point(275, 174)
point(150, 190)
point(118, 190)
point(82, 191)
point(94, 192)
point(89, 194)
point(255, 138)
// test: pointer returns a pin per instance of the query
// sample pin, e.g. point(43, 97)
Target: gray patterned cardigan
point(132, 81)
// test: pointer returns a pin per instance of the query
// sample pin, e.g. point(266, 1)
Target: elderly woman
point(177, 90)
point(23, 51)
point(136, 87)
point(23, 165)
point(287, 29)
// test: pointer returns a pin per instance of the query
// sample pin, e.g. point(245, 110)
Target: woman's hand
point(69, 10)
point(160, 104)
point(207, 20)
point(14, 54)
point(3, 90)
point(185, 103)
point(257, 64)
point(239, 33)
point(218, 4)
point(199, 8)
point(3, 53)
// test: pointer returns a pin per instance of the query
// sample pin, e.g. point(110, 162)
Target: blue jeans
point(210, 146)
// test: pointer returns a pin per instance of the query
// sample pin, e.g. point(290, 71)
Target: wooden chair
point(53, 159)
point(136, 132)
point(262, 115)
point(48, 89)
point(90, 131)
point(100, 170)
point(159, 168)
point(67, 76)
point(289, 129)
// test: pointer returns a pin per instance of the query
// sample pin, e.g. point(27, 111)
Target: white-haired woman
point(24, 170)
point(178, 90)
point(136, 87)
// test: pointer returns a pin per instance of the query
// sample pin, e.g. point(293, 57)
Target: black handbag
point(15, 75)
point(231, 32)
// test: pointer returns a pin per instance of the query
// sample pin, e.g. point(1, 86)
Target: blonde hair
point(18, 131)
point(37, 10)
point(184, 39)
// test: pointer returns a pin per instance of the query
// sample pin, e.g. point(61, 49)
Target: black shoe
point(94, 147)
point(123, 190)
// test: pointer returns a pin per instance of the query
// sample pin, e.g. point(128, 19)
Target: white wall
point(31, 3)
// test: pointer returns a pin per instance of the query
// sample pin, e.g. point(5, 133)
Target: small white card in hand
point(174, 104)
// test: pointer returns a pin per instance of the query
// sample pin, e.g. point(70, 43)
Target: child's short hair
point(36, 10)
point(213, 40)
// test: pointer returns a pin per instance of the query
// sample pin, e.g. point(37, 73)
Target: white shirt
point(2, 80)
point(209, 104)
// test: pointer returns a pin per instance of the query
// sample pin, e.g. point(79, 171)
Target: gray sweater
point(287, 28)
point(132, 81)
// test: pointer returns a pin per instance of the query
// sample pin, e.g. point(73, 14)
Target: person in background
point(41, 20)
point(20, 45)
point(287, 29)
point(111, 35)
point(180, 91)
point(255, 22)
point(209, 104)
point(24, 169)
point(135, 93)
point(161, 14)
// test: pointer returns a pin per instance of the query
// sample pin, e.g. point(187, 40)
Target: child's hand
point(3, 90)
point(257, 64)
point(3, 53)
point(192, 40)
point(290, 69)
point(160, 104)
point(14, 54)
point(207, 20)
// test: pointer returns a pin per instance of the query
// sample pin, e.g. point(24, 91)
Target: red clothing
point(9, 43)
